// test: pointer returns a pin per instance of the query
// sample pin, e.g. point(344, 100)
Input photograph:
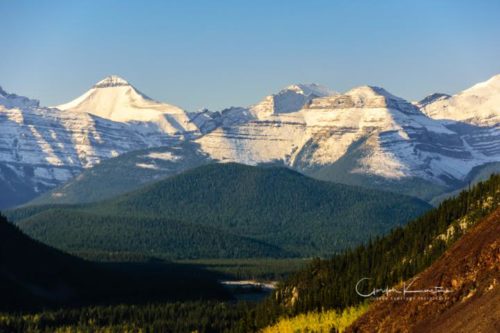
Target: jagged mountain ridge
point(399, 141)
point(290, 99)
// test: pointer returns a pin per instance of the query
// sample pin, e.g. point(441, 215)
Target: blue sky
point(221, 53)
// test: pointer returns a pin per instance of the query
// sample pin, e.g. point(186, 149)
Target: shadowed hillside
point(33, 275)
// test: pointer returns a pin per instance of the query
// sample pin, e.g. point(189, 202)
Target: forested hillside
point(33, 275)
point(225, 210)
point(404, 252)
point(97, 234)
point(193, 316)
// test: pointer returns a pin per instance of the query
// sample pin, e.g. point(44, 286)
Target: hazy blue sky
point(218, 53)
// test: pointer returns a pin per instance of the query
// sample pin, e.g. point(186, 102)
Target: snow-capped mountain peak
point(477, 105)
point(364, 97)
point(112, 81)
point(115, 99)
point(107, 99)
point(492, 83)
point(370, 92)
point(290, 99)
point(310, 89)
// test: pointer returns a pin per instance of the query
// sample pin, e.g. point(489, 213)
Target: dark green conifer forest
point(224, 211)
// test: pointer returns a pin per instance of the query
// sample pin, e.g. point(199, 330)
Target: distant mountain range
point(365, 137)
point(223, 211)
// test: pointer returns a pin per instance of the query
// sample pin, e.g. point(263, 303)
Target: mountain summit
point(111, 81)
point(291, 99)
point(115, 99)
point(477, 105)
point(368, 97)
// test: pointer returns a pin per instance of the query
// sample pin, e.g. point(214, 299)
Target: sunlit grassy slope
point(326, 321)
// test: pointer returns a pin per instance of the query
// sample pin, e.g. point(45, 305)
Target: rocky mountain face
point(365, 132)
point(365, 136)
point(475, 115)
point(291, 99)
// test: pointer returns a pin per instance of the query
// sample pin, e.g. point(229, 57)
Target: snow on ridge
point(309, 89)
point(365, 97)
point(15, 101)
point(290, 99)
point(365, 92)
point(402, 141)
point(167, 156)
point(146, 166)
point(478, 105)
point(492, 83)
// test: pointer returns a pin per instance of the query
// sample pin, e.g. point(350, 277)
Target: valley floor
point(261, 269)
